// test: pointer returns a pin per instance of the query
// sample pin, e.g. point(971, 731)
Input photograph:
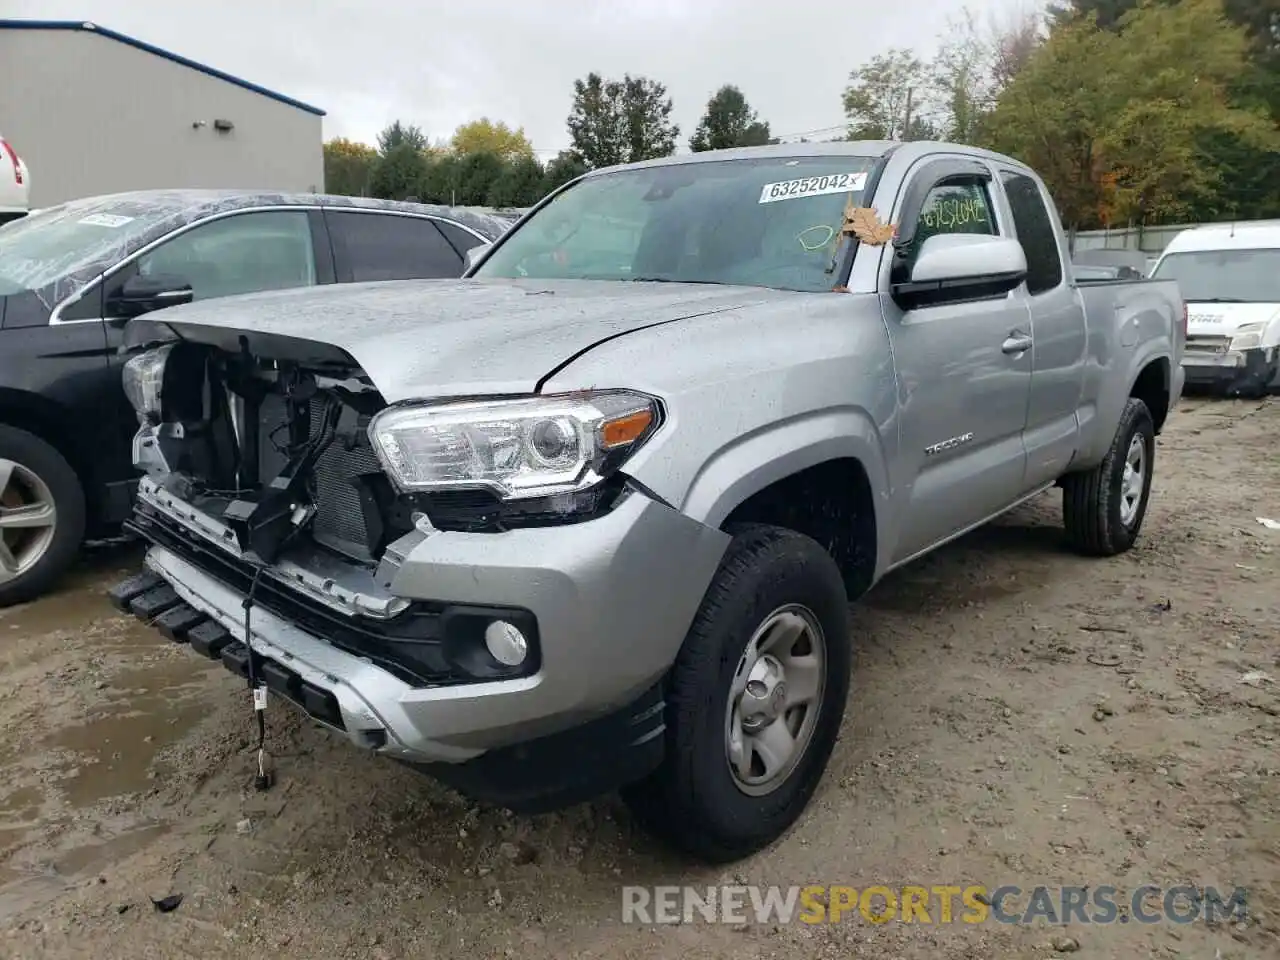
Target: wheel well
point(1152, 388)
point(42, 418)
point(830, 502)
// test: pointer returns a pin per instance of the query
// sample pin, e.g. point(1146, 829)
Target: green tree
point(1250, 175)
point(1107, 13)
point(441, 179)
point(520, 184)
point(398, 173)
point(729, 121)
point(348, 167)
point(1115, 120)
point(566, 166)
point(963, 78)
point(888, 98)
point(401, 133)
point(1261, 18)
point(621, 121)
point(486, 136)
point(477, 174)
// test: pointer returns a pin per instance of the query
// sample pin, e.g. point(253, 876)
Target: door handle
point(1016, 343)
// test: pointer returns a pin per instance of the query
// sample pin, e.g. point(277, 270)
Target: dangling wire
point(264, 778)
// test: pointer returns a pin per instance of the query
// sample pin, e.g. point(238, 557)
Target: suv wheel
point(42, 515)
point(1103, 508)
point(755, 699)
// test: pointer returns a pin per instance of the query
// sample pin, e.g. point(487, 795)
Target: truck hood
point(1225, 319)
point(423, 339)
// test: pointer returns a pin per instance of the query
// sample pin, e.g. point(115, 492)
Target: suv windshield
point(1224, 276)
point(44, 247)
point(768, 222)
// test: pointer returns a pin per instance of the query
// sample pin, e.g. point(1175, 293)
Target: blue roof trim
point(86, 26)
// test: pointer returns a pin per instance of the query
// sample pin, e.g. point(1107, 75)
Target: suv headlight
point(143, 377)
point(519, 449)
point(1248, 336)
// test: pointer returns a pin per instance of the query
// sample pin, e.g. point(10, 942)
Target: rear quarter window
point(379, 246)
point(1035, 232)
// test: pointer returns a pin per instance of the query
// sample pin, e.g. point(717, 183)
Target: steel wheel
point(775, 699)
point(1134, 480)
point(28, 519)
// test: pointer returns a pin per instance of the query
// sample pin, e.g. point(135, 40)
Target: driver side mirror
point(142, 294)
point(960, 267)
point(474, 256)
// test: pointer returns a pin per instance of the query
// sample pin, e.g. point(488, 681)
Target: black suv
point(72, 276)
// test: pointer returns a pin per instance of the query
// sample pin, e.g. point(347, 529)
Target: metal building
point(93, 111)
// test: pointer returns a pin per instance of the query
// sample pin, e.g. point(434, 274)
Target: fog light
point(506, 643)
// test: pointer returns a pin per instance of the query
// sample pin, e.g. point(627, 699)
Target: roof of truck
point(835, 148)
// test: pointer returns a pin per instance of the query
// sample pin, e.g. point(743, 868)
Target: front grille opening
point(354, 500)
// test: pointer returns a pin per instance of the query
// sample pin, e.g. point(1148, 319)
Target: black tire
point(68, 498)
point(1092, 501)
point(693, 800)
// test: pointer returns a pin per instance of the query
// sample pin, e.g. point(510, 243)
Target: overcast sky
point(438, 64)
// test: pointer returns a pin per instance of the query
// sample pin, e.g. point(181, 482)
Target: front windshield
point(768, 222)
point(44, 247)
point(1224, 276)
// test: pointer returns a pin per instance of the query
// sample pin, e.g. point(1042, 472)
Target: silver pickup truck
point(591, 516)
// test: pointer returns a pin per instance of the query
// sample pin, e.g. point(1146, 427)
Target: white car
point(15, 183)
point(1229, 274)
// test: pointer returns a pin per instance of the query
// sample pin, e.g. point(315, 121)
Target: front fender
point(749, 463)
point(1270, 336)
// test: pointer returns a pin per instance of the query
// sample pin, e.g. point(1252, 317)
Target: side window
point(1035, 233)
point(955, 208)
point(245, 253)
point(378, 246)
point(462, 240)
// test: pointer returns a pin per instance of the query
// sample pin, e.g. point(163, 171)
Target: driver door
point(963, 387)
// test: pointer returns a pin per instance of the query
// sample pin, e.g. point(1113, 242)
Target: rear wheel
point(755, 701)
point(1103, 508)
point(42, 515)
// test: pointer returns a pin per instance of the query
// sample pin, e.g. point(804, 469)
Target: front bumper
point(1235, 371)
point(613, 598)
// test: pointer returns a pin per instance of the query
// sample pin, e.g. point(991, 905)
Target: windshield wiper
point(1218, 300)
point(672, 280)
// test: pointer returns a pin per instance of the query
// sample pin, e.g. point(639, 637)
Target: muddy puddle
point(79, 769)
point(143, 712)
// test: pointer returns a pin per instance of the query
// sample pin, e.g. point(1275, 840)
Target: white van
point(1230, 278)
point(15, 183)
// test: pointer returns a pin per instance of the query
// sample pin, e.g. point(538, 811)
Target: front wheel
point(1103, 508)
point(755, 700)
point(42, 515)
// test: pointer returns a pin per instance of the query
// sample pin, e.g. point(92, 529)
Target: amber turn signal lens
point(625, 430)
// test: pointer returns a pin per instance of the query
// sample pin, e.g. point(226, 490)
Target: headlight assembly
point(1248, 336)
point(519, 449)
point(143, 376)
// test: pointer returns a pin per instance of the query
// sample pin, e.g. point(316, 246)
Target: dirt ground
point(1019, 716)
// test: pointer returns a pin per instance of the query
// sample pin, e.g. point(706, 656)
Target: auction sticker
point(105, 220)
point(812, 186)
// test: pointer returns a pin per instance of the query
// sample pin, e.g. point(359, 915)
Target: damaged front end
point(269, 450)
point(293, 466)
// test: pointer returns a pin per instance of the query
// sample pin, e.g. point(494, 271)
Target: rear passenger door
point(374, 245)
point(1058, 333)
